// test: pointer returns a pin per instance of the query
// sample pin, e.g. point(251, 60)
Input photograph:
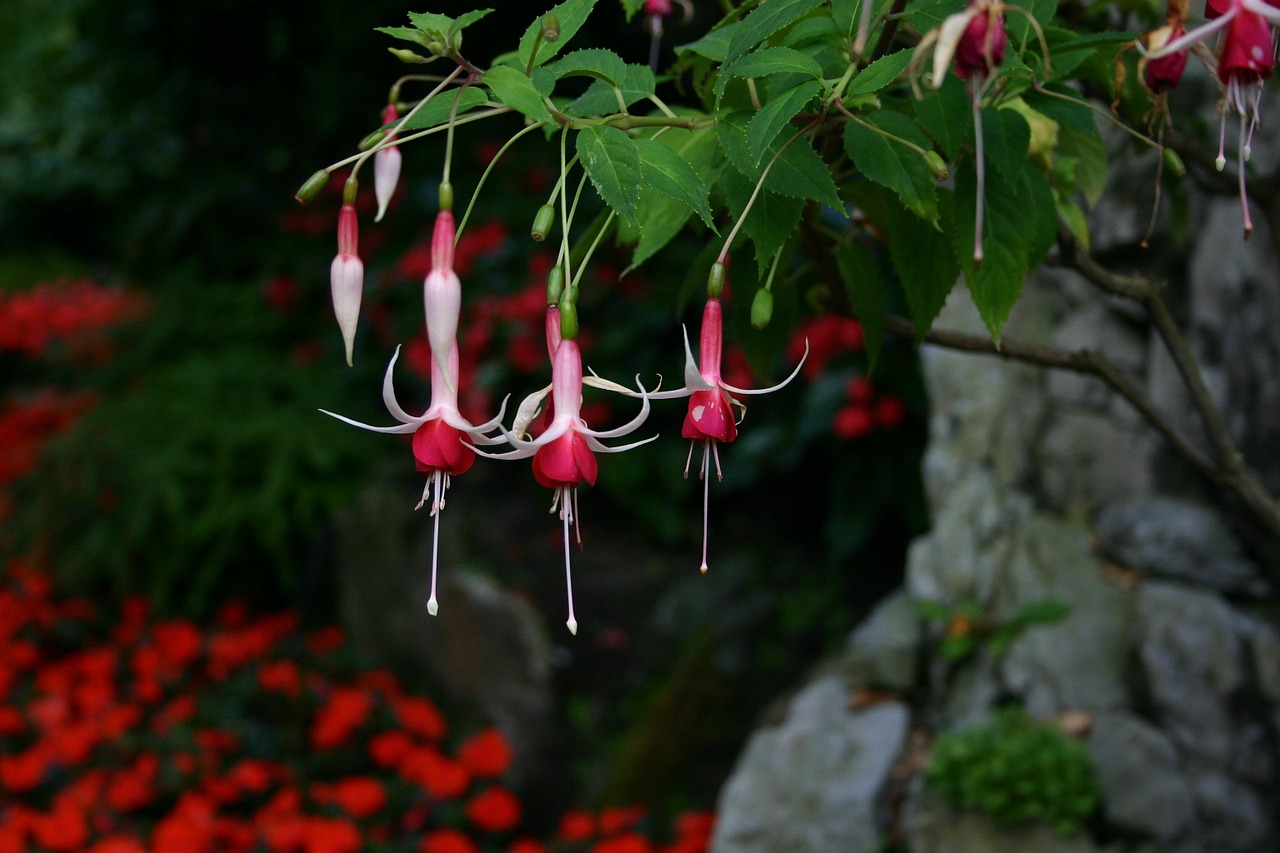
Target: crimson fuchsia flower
point(442, 291)
point(1245, 60)
point(711, 419)
point(346, 275)
point(386, 166)
point(443, 440)
point(564, 454)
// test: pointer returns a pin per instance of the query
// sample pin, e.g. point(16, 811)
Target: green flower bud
point(543, 222)
point(761, 309)
point(715, 281)
point(436, 47)
point(446, 196)
point(550, 27)
point(555, 285)
point(936, 165)
point(349, 190)
point(407, 56)
point(1174, 163)
point(312, 187)
point(372, 139)
point(568, 321)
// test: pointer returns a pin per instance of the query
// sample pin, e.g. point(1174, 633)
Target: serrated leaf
point(661, 218)
point(766, 124)
point(714, 45)
point(437, 110)
point(602, 99)
point(1019, 27)
point(1091, 159)
point(773, 60)
point(571, 14)
point(892, 164)
point(1007, 137)
point(630, 7)
point(406, 33)
point(611, 160)
point(924, 261)
point(878, 74)
point(798, 172)
point(432, 24)
point(864, 285)
point(765, 20)
point(664, 170)
point(594, 62)
point(947, 115)
point(772, 220)
point(516, 91)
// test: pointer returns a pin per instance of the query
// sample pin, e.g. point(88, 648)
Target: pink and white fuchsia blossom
point(346, 277)
point(443, 440)
point(386, 166)
point(564, 454)
point(1246, 59)
point(442, 291)
point(711, 418)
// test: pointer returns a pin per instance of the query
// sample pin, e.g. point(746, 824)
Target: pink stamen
point(705, 473)
point(566, 516)
point(1244, 198)
point(980, 165)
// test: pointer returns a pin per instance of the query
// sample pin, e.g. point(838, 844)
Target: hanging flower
point(386, 166)
point(714, 412)
point(443, 440)
point(1246, 59)
point(442, 292)
point(346, 276)
point(564, 454)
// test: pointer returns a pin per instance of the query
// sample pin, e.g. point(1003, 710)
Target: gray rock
point(932, 827)
point(885, 649)
point(1143, 787)
point(1087, 460)
point(814, 783)
point(1178, 539)
point(1231, 817)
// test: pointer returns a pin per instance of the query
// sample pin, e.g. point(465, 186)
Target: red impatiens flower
point(494, 810)
point(487, 754)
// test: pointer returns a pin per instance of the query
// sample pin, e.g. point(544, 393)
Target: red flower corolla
point(714, 412)
point(1246, 59)
point(386, 166)
point(346, 277)
point(564, 454)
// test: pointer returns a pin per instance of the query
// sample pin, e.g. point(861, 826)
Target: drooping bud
point(442, 291)
point(937, 165)
point(555, 285)
point(346, 278)
point(312, 187)
point(445, 196)
point(372, 139)
point(550, 27)
point(761, 309)
point(543, 222)
point(386, 167)
point(715, 280)
point(407, 56)
point(1173, 162)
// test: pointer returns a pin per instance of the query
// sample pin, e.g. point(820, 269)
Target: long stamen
point(689, 459)
point(980, 165)
point(1220, 162)
point(1244, 198)
point(705, 473)
point(433, 606)
point(565, 515)
point(715, 451)
point(577, 526)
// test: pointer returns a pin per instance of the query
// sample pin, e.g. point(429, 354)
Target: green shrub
point(1016, 771)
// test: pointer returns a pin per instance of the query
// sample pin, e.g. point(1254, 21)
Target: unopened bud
point(761, 309)
point(715, 280)
point(937, 165)
point(1174, 163)
point(372, 139)
point(407, 56)
point(436, 47)
point(543, 222)
point(555, 285)
point(312, 187)
point(446, 196)
point(349, 190)
point(550, 27)
point(568, 321)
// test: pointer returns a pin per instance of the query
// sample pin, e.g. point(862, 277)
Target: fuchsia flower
point(711, 418)
point(442, 292)
point(1245, 60)
point(564, 454)
point(346, 277)
point(386, 166)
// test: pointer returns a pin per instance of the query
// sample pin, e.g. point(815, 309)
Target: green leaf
point(517, 91)
point(798, 172)
point(665, 171)
point(1091, 159)
point(772, 220)
point(1019, 27)
point(714, 45)
point(469, 18)
point(601, 64)
point(437, 110)
point(878, 74)
point(407, 33)
point(661, 218)
point(602, 99)
point(765, 20)
point(438, 26)
point(1007, 136)
point(892, 164)
point(571, 14)
point(765, 125)
point(630, 7)
point(1041, 612)
point(923, 260)
point(773, 60)
point(612, 162)
point(864, 284)
point(946, 115)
